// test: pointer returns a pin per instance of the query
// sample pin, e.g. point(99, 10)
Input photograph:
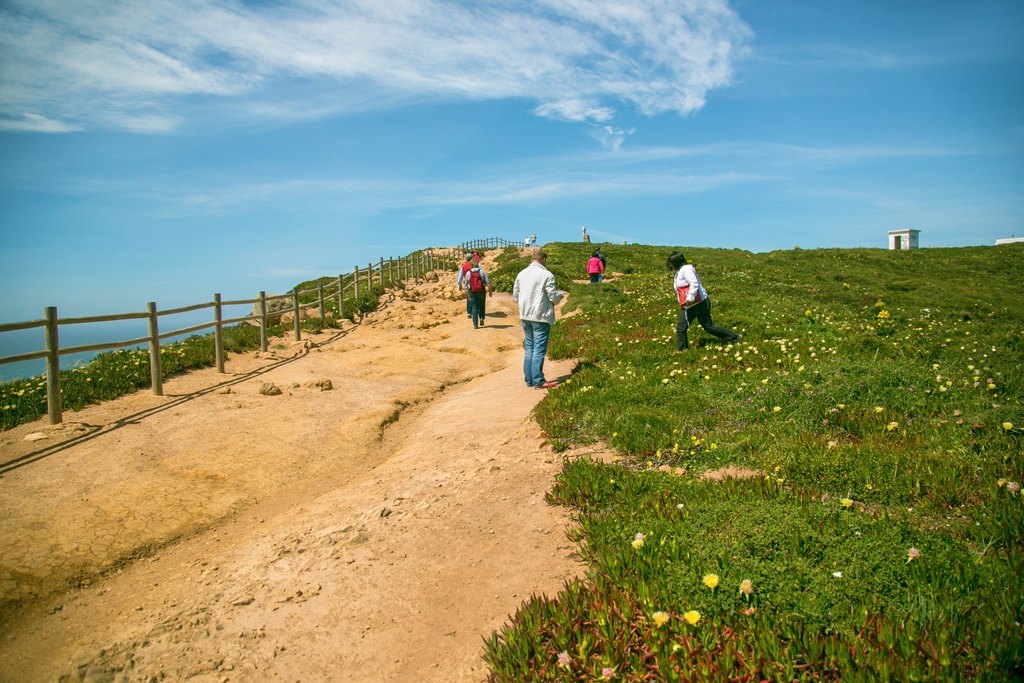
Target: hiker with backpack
point(693, 303)
point(477, 285)
point(463, 269)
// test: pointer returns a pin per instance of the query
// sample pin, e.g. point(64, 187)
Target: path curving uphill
point(374, 530)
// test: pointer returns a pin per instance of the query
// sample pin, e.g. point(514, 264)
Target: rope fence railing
point(324, 296)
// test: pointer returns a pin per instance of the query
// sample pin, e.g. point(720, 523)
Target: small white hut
point(903, 239)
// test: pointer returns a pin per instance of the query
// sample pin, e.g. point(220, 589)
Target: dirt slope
point(374, 531)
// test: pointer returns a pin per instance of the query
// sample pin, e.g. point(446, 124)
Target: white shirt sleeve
point(687, 277)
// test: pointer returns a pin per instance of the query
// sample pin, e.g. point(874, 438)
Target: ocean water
point(26, 341)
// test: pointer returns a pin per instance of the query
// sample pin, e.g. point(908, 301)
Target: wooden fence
point(488, 243)
point(382, 274)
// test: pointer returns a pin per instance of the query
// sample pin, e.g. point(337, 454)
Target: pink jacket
point(594, 265)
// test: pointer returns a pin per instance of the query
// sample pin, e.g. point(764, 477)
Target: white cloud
point(114, 62)
point(610, 137)
point(34, 123)
point(574, 110)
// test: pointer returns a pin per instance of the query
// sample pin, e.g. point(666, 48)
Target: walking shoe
point(547, 385)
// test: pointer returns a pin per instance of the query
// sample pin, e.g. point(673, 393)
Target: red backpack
point(476, 281)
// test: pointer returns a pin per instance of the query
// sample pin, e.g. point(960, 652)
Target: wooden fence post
point(218, 333)
point(381, 273)
point(53, 403)
point(355, 282)
point(341, 299)
point(320, 302)
point(369, 278)
point(263, 322)
point(295, 307)
point(155, 379)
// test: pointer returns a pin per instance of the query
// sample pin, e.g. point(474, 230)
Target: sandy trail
point(375, 531)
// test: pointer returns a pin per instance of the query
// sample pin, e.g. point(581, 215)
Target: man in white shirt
point(536, 294)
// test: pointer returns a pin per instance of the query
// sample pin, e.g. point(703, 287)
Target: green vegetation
point(875, 398)
point(874, 404)
point(117, 373)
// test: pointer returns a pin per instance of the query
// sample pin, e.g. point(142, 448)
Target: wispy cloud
point(634, 172)
point(372, 197)
point(34, 123)
point(139, 66)
point(841, 57)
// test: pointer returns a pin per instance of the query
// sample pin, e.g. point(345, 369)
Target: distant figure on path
point(459, 281)
point(533, 239)
point(526, 241)
point(693, 303)
point(595, 268)
point(477, 283)
point(535, 292)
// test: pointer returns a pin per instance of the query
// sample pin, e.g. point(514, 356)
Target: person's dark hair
point(539, 255)
point(469, 257)
point(676, 260)
point(594, 255)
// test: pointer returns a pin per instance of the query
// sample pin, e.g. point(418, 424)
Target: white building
point(903, 239)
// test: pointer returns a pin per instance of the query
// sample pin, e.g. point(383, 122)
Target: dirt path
point(374, 531)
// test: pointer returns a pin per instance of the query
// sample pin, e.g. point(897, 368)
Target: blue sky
point(167, 150)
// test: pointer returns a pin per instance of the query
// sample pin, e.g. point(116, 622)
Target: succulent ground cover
point(115, 373)
point(875, 403)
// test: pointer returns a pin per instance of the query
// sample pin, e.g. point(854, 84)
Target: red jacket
point(594, 265)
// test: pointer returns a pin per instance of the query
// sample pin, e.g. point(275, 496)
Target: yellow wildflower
point(711, 580)
point(846, 502)
point(746, 587)
point(660, 619)
point(692, 617)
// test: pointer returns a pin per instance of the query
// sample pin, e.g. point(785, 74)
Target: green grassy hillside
point(877, 397)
